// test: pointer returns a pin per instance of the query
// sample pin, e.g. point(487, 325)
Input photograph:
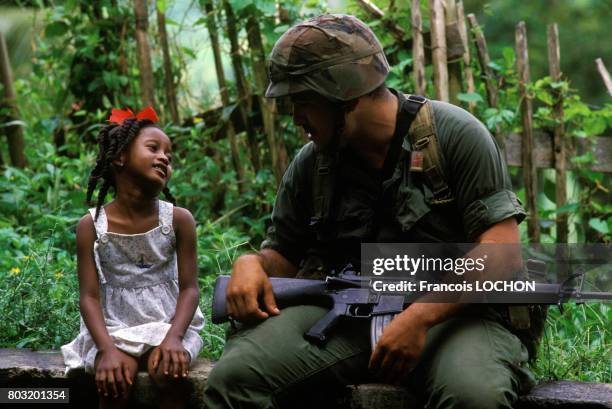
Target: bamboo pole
point(486, 72)
point(438, 49)
point(168, 78)
point(147, 88)
point(529, 166)
point(14, 133)
point(244, 91)
point(605, 75)
point(229, 129)
point(467, 64)
point(454, 67)
point(278, 152)
point(395, 30)
point(418, 49)
point(554, 63)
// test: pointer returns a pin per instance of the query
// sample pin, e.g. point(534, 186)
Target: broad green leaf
point(162, 5)
point(56, 29)
point(470, 97)
point(599, 225)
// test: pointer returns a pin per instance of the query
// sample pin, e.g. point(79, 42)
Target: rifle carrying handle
point(318, 332)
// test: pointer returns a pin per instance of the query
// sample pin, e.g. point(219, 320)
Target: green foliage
point(577, 344)
point(84, 63)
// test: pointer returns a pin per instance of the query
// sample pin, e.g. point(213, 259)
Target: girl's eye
point(152, 148)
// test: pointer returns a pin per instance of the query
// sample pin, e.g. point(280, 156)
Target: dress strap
point(166, 212)
point(101, 224)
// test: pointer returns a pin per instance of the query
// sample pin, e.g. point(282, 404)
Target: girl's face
point(150, 156)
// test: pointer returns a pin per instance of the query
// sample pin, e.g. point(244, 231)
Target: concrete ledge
point(26, 368)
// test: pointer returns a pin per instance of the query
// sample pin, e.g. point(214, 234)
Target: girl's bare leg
point(171, 391)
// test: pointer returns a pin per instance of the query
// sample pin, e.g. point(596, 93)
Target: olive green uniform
point(470, 361)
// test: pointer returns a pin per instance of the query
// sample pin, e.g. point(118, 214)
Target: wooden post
point(605, 75)
point(467, 64)
point(454, 67)
point(169, 78)
point(14, 133)
point(438, 49)
point(486, 71)
point(244, 91)
point(418, 49)
point(229, 129)
point(147, 88)
point(278, 152)
point(529, 165)
point(554, 63)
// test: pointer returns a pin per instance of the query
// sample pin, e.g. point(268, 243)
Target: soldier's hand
point(398, 348)
point(249, 292)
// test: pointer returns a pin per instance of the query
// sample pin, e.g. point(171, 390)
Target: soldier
point(361, 178)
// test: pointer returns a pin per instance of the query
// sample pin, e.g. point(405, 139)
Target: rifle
point(349, 294)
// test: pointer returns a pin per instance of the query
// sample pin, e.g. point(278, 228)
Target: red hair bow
point(120, 115)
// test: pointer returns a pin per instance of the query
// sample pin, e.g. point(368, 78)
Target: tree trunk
point(454, 67)
point(244, 91)
point(278, 152)
point(144, 53)
point(14, 133)
point(169, 78)
point(467, 65)
point(486, 71)
point(529, 167)
point(418, 49)
point(438, 49)
point(229, 127)
point(554, 63)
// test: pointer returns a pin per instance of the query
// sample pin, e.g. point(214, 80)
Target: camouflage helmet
point(335, 55)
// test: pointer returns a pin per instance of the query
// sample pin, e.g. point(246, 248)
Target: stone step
point(26, 368)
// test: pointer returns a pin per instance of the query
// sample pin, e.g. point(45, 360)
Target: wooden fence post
point(486, 71)
point(147, 88)
point(454, 67)
point(169, 77)
point(605, 75)
point(554, 63)
point(14, 133)
point(418, 49)
point(529, 165)
point(438, 49)
point(231, 134)
point(467, 64)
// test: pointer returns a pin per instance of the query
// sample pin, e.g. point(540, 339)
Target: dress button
point(104, 238)
point(166, 229)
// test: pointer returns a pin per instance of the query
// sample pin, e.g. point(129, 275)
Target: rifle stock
point(287, 292)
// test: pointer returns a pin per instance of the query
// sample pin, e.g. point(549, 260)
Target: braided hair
point(113, 140)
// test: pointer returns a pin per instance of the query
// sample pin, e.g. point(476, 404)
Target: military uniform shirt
point(366, 208)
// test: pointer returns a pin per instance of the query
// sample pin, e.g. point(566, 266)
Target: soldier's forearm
point(275, 264)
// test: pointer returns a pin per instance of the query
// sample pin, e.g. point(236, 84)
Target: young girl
point(136, 262)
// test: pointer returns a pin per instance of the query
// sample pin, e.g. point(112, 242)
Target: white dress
point(138, 278)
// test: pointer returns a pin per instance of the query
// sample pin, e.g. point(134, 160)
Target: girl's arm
point(111, 369)
point(173, 356)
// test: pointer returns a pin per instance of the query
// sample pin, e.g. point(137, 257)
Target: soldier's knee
point(229, 374)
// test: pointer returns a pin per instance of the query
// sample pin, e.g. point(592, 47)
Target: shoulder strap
point(424, 141)
point(101, 224)
point(166, 213)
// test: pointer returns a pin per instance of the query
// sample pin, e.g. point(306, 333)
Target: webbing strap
point(423, 138)
point(322, 188)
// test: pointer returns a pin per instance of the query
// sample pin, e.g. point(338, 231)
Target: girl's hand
point(172, 356)
point(112, 373)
